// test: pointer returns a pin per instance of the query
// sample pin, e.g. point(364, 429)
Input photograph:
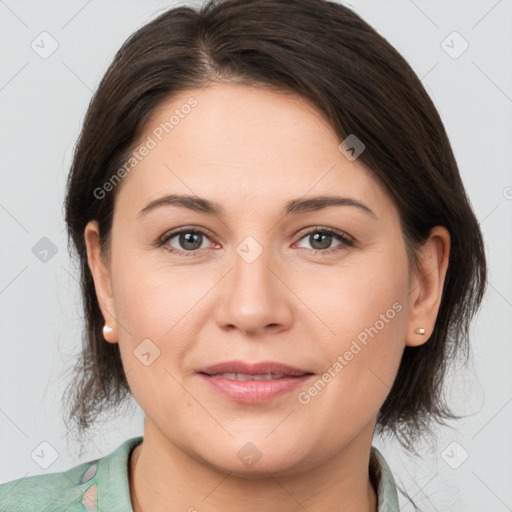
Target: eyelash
point(344, 239)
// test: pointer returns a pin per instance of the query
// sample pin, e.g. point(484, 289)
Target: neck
point(162, 475)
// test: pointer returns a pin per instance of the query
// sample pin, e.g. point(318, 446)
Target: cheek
point(365, 309)
point(152, 298)
point(363, 298)
point(158, 309)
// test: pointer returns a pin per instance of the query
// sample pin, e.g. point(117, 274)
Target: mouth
point(247, 376)
point(253, 383)
point(263, 368)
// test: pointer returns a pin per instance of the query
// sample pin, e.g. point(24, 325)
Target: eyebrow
point(292, 207)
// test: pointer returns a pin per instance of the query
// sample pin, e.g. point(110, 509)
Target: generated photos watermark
point(343, 360)
point(143, 149)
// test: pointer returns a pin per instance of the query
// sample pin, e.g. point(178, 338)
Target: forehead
point(243, 145)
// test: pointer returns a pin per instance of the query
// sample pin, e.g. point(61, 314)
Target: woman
point(278, 260)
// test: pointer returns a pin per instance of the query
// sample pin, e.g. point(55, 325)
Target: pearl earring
point(420, 331)
point(107, 329)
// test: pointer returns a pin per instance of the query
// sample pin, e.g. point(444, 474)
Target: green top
point(102, 485)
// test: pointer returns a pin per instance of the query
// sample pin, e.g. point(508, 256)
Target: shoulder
point(78, 488)
point(60, 490)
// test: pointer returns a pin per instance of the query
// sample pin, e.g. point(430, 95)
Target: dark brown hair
point(326, 53)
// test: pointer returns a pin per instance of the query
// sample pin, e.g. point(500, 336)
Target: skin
point(251, 150)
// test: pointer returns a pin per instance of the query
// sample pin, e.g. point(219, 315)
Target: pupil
point(326, 242)
point(187, 239)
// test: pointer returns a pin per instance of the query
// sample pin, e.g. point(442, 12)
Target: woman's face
point(262, 282)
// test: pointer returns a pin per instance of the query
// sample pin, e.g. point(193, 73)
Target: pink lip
point(255, 391)
point(252, 368)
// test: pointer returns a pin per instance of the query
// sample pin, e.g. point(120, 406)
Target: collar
point(383, 482)
point(114, 491)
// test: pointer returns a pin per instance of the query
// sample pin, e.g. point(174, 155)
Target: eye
point(321, 240)
point(188, 240)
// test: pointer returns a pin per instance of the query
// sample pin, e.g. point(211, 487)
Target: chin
point(255, 460)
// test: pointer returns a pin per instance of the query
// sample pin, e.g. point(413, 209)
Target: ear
point(426, 286)
point(101, 276)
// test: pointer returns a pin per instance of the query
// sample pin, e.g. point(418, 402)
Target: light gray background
point(42, 104)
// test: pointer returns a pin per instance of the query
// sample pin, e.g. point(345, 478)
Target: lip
point(253, 391)
point(253, 368)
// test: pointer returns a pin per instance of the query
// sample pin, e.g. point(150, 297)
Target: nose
point(254, 298)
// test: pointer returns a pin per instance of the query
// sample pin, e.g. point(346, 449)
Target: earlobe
point(109, 333)
point(101, 276)
point(427, 287)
